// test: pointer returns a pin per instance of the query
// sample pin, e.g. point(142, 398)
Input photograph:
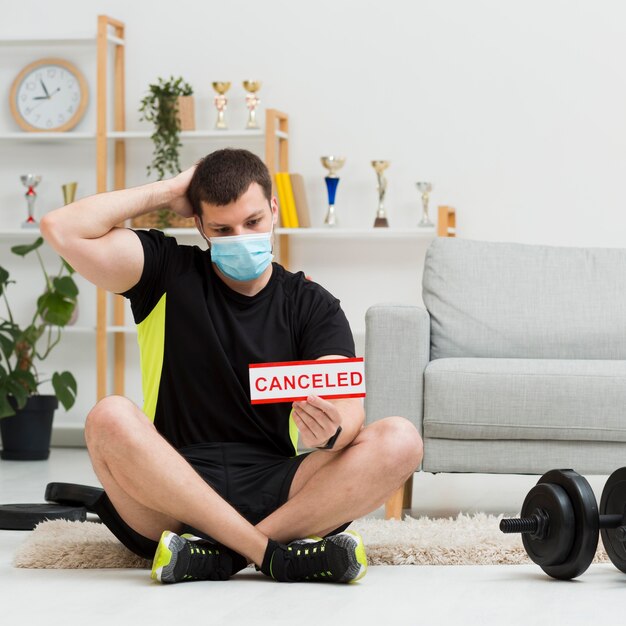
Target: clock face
point(50, 94)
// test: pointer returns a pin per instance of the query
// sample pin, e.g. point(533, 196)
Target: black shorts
point(255, 482)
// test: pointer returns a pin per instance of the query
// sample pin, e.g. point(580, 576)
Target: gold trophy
point(425, 188)
point(220, 103)
point(252, 101)
point(332, 164)
point(69, 192)
point(381, 216)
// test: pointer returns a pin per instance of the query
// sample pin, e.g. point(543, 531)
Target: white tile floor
point(391, 595)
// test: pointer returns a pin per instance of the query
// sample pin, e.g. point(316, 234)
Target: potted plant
point(25, 415)
point(162, 106)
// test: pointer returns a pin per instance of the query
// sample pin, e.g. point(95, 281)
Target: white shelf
point(79, 329)
point(316, 233)
point(90, 330)
point(196, 134)
point(47, 136)
point(189, 134)
point(358, 233)
point(185, 135)
point(334, 233)
point(65, 41)
point(183, 232)
point(87, 330)
point(122, 329)
point(19, 233)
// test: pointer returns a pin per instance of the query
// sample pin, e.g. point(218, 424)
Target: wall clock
point(49, 95)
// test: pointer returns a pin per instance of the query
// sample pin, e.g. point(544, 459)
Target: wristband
point(331, 442)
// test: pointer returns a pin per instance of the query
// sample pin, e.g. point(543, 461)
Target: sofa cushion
point(576, 400)
point(490, 299)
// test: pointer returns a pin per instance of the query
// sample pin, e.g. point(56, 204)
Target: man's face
point(251, 213)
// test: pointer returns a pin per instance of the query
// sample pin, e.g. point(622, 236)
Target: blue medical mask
point(242, 257)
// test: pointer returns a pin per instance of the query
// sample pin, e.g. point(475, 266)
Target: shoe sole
point(361, 556)
point(163, 557)
point(359, 551)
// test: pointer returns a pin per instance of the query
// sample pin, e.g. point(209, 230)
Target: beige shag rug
point(464, 540)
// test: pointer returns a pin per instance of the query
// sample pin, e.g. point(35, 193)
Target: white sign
point(296, 380)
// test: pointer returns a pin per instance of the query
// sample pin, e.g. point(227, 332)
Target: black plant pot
point(26, 435)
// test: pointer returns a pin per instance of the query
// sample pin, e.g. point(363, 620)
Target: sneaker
point(186, 557)
point(338, 558)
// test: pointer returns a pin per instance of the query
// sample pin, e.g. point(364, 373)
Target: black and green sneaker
point(186, 557)
point(338, 558)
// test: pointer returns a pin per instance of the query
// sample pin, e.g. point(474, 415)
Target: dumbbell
point(560, 522)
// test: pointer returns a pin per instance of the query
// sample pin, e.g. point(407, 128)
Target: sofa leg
point(400, 499)
point(407, 500)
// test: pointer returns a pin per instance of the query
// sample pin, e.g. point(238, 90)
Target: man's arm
point(318, 419)
point(84, 232)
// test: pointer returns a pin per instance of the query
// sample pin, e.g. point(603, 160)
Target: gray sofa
point(516, 365)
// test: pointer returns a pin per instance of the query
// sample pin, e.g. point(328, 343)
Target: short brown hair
point(224, 176)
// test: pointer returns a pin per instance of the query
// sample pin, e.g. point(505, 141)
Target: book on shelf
point(299, 196)
point(291, 203)
point(289, 199)
point(282, 201)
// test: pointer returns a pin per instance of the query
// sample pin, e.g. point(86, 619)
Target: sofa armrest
point(397, 351)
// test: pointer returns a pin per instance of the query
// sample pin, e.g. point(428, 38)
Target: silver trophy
point(425, 189)
point(332, 164)
point(381, 216)
point(252, 102)
point(30, 181)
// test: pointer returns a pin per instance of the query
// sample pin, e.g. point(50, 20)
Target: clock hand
point(44, 88)
point(37, 105)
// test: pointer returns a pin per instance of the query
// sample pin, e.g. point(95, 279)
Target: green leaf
point(15, 388)
point(7, 345)
point(9, 327)
point(31, 334)
point(6, 410)
point(9, 334)
point(4, 279)
point(68, 267)
point(26, 378)
point(25, 249)
point(54, 309)
point(64, 385)
point(66, 287)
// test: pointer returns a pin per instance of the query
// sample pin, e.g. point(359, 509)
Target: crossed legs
point(153, 488)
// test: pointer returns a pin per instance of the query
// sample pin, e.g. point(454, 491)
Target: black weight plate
point(27, 516)
point(70, 494)
point(587, 531)
point(613, 501)
point(556, 543)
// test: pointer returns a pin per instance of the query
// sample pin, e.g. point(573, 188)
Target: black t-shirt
point(197, 338)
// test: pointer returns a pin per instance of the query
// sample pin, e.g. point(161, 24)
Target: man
point(201, 479)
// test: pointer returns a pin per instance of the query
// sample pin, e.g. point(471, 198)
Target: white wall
point(515, 111)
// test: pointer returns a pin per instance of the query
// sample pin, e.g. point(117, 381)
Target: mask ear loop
point(272, 236)
point(202, 234)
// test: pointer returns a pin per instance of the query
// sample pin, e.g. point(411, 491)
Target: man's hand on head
point(177, 186)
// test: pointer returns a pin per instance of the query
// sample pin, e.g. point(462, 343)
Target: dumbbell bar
point(560, 522)
point(536, 525)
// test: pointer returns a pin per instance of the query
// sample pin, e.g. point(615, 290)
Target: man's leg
point(152, 487)
point(332, 488)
